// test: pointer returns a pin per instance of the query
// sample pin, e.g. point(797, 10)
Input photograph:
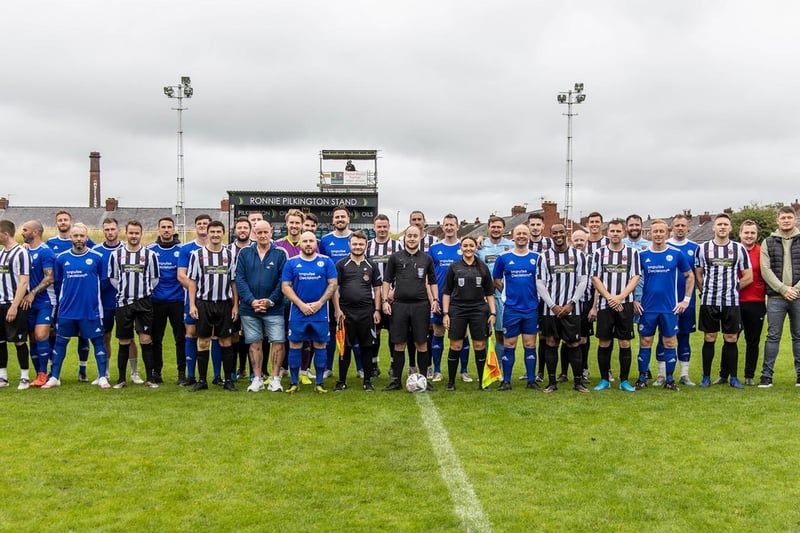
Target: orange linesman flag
point(340, 337)
point(492, 372)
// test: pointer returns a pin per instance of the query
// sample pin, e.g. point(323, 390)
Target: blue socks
point(295, 357)
point(437, 349)
point(507, 362)
point(530, 363)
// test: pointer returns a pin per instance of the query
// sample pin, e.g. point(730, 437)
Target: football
point(416, 383)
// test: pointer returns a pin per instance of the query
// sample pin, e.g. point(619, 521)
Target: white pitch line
point(467, 505)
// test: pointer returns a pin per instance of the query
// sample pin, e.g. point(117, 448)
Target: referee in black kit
point(415, 295)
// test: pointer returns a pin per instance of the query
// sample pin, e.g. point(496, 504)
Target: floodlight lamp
point(578, 87)
point(188, 92)
point(562, 98)
point(186, 80)
point(580, 98)
point(169, 91)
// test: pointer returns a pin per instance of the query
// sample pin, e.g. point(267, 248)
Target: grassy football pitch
point(80, 458)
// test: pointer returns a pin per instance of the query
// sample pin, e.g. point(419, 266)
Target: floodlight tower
point(180, 91)
point(573, 96)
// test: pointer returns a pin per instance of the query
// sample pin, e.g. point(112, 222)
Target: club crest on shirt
point(669, 257)
point(320, 263)
point(89, 261)
point(461, 282)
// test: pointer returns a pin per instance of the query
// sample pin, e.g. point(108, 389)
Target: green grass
point(79, 458)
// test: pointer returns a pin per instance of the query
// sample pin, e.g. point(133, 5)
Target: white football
point(416, 383)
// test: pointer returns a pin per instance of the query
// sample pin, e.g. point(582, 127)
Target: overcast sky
point(690, 105)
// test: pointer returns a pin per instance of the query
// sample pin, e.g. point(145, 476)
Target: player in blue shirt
point(79, 272)
point(444, 253)
point(308, 281)
point(660, 303)
point(515, 277)
point(489, 251)
point(168, 299)
point(336, 245)
point(62, 243)
point(40, 299)
point(201, 223)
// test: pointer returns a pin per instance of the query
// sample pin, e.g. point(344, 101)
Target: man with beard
point(539, 243)
point(357, 304)
point(40, 299)
point(336, 245)
point(561, 282)
point(133, 272)
point(415, 296)
point(62, 243)
point(167, 300)
point(243, 232)
point(309, 282)
point(751, 302)
point(78, 271)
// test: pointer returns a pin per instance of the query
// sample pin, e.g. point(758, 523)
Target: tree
point(764, 216)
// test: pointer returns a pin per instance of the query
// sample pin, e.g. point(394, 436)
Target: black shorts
point(476, 319)
point(410, 321)
point(359, 328)
point(138, 315)
point(567, 329)
point(16, 330)
point(214, 319)
point(715, 317)
point(615, 324)
point(587, 328)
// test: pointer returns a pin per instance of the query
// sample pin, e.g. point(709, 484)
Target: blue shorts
point(667, 324)
point(108, 319)
point(300, 331)
point(87, 329)
point(187, 318)
point(42, 315)
point(437, 319)
point(687, 321)
point(515, 323)
point(255, 326)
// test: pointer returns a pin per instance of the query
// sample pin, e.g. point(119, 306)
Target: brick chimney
point(518, 210)
point(111, 204)
point(551, 216)
point(94, 179)
point(3, 203)
point(225, 205)
point(705, 217)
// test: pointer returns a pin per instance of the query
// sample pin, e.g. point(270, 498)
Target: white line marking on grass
point(467, 505)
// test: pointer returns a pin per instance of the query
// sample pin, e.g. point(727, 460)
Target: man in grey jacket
point(780, 268)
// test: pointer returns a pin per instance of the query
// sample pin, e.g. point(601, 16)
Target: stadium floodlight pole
point(180, 91)
point(573, 96)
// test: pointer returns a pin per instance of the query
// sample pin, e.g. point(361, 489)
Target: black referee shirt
point(356, 283)
point(466, 285)
point(410, 273)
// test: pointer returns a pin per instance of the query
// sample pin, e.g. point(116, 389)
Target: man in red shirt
point(751, 301)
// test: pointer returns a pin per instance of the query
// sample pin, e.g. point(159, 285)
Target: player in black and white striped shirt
point(561, 282)
point(538, 242)
point(718, 265)
point(213, 302)
point(596, 239)
point(378, 251)
point(15, 271)
point(133, 271)
point(616, 271)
